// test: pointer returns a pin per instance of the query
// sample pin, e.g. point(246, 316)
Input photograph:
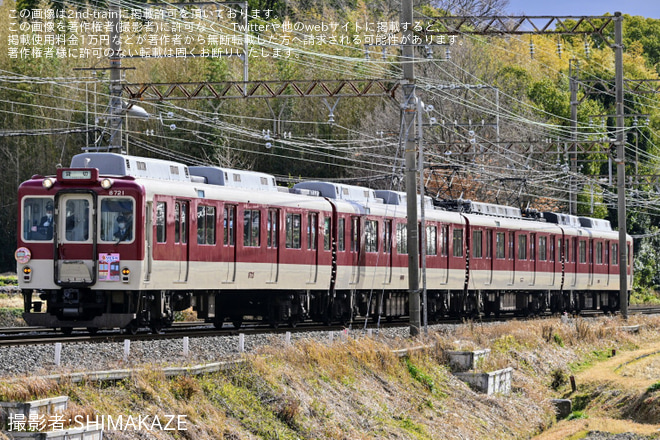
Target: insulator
point(531, 48)
point(587, 49)
point(559, 48)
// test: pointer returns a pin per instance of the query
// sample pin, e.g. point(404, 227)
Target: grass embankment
point(11, 304)
point(358, 389)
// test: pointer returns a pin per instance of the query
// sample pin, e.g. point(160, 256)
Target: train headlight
point(27, 274)
point(106, 183)
point(48, 183)
point(125, 274)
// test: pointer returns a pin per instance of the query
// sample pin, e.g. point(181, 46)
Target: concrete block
point(40, 407)
point(466, 360)
point(86, 433)
point(490, 383)
point(563, 407)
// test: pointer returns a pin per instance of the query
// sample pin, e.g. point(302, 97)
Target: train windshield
point(117, 219)
point(37, 221)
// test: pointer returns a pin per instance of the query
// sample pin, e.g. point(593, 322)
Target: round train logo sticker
point(22, 255)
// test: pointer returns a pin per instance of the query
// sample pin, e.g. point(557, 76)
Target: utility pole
point(573, 68)
point(620, 165)
point(409, 108)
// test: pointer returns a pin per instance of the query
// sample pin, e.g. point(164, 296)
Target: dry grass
point(574, 428)
point(11, 301)
point(359, 389)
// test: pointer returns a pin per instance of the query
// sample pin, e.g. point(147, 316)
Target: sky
point(645, 8)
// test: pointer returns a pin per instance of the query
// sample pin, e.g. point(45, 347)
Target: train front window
point(76, 219)
point(37, 221)
point(117, 219)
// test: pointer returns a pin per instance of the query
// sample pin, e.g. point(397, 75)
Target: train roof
point(114, 164)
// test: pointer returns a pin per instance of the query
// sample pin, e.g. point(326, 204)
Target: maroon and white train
point(131, 240)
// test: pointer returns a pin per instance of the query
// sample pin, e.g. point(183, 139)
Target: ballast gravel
point(99, 356)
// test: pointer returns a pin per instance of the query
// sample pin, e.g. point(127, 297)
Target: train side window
point(477, 237)
point(599, 253)
point(615, 254)
point(387, 237)
point(522, 247)
point(161, 215)
point(327, 228)
point(205, 224)
point(37, 222)
point(500, 246)
point(401, 238)
point(371, 236)
point(355, 234)
point(431, 240)
point(184, 222)
point(583, 251)
point(180, 222)
point(552, 249)
point(489, 244)
point(229, 225)
point(312, 227)
point(252, 228)
point(543, 248)
point(458, 242)
point(177, 220)
point(293, 226)
point(341, 235)
point(444, 240)
point(273, 228)
point(512, 243)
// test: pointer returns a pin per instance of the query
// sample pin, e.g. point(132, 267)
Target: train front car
point(80, 249)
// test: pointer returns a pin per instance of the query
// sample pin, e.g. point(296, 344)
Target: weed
point(591, 359)
point(583, 330)
point(420, 376)
point(581, 401)
point(287, 409)
point(653, 388)
point(576, 415)
point(558, 340)
point(184, 387)
point(558, 379)
point(10, 280)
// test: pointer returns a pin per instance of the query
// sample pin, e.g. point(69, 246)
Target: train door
point(75, 238)
point(443, 257)
point(313, 246)
point(355, 250)
point(571, 261)
point(273, 244)
point(229, 242)
point(181, 233)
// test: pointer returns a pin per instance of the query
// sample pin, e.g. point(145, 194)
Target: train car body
point(122, 241)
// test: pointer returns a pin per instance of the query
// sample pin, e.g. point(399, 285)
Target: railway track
point(15, 336)
point(196, 330)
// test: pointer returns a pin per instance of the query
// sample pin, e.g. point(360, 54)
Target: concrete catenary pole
point(620, 165)
point(409, 108)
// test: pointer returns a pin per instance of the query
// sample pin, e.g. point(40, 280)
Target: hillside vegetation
point(361, 389)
